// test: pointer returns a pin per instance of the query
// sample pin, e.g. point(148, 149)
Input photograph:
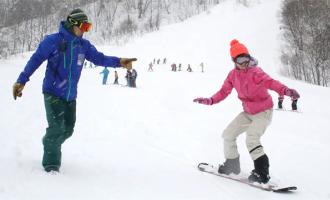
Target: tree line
point(306, 34)
point(24, 23)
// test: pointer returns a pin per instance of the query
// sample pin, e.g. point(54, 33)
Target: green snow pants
point(61, 117)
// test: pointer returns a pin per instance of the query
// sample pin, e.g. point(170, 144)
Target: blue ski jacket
point(105, 72)
point(66, 54)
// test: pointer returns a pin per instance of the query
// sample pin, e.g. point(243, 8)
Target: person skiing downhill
point(134, 77)
point(189, 68)
point(129, 78)
point(105, 73)
point(65, 52)
point(150, 67)
point(202, 67)
point(116, 78)
point(251, 84)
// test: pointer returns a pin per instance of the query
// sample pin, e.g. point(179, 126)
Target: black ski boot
point(260, 174)
point(230, 166)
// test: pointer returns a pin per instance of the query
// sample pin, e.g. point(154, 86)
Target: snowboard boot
point(230, 166)
point(52, 168)
point(260, 174)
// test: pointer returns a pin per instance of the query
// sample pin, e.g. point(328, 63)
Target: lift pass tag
point(81, 58)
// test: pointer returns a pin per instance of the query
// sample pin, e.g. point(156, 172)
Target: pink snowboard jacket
point(251, 85)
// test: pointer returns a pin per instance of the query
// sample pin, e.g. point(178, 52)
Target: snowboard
point(205, 167)
point(287, 110)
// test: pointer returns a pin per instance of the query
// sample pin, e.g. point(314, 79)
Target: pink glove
point(205, 101)
point(292, 93)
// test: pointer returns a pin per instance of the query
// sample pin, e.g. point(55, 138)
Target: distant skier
point(158, 61)
point(173, 66)
point(189, 68)
point(164, 61)
point(202, 66)
point(129, 78)
point(179, 67)
point(134, 76)
point(150, 69)
point(251, 84)
point(65, 52)
point(105, 73)
point(116, 78)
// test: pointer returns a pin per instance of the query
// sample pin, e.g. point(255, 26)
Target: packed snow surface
point(145, 143)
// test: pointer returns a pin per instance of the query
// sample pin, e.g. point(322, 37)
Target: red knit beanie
point(237, 48)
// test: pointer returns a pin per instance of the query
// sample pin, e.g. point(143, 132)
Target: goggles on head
point(84, 26)
point(242, 59)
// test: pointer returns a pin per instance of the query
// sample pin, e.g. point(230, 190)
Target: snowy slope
point(145, 143)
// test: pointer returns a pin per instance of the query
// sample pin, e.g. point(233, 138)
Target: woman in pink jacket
point(251, 84)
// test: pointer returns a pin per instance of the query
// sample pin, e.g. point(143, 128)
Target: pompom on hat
point(237, 48)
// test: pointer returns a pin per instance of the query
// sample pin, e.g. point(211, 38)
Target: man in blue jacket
point(65, 52)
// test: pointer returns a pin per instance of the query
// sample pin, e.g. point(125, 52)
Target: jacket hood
point(253, 62)
point(66, 33)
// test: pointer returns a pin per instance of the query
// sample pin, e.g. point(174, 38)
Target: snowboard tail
point(205, 167)
point(287, 110)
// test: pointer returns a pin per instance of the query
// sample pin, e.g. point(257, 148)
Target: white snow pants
point(254, 126)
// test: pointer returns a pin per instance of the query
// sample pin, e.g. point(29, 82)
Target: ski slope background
point(145, 143)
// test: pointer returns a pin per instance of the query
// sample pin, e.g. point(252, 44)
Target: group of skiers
point(130, 77)
point(158, 61)
point(66, 52)
point(90, 65)
point(154, 62)
point(174, 66)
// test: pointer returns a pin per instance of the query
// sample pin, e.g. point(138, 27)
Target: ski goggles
point(85, 26)
point(242, 59)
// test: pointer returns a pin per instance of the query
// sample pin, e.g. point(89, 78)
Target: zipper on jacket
point(64, 60)
point(70, 69)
